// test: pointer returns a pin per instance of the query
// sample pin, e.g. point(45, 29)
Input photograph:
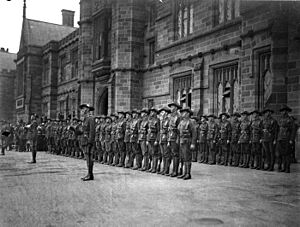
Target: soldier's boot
point(154, 165)
point(180, 170)
point(246, 161)
point(188, 174)
point(279, 160)
point(287, 163)
point(258, 162)
point(33, 157)
point(122, 160)
point(145, 163)
point(2, 151)
point(182, 175)
point(198, 156)
point(194, 156)
point(164, 166)
point(159, 165)
point(213, 157)
point(272, 163)
point(226, 156)
point(175, 167)
point(129, 162)
point(138, 162)
point(237, 160)
point(116, 161)
point(90, 175)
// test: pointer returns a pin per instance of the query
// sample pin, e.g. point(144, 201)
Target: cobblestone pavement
point(50, 193)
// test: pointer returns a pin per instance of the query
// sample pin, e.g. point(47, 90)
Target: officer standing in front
point(88, 139)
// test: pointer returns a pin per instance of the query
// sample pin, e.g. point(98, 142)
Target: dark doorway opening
point(102, 105)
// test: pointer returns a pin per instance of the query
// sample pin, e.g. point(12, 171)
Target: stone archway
point(102, 103)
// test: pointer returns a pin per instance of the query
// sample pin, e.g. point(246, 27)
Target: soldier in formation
point(166, 141)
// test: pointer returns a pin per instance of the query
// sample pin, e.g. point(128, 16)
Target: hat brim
point(285, 109)
point(174, 104)
point(86, 106)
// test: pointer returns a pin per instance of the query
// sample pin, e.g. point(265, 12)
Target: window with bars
point(46, 72)
point(264, 79)
point(226, 10)
point(182, 88)
point(74, 59)
point(20, 79)
point(151, 52)
point(45, 109)
point(63, 63)
point(102, 37)
point(226, 89)
point(184, 18)
point(62, 107)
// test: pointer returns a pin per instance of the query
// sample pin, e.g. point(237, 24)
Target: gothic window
point(152, 14)
point(226, 10)
point(102, 37)
point(74, 59)
point(62, 107)
point(46, 72)
point(184, 18)
point(45, 109)
point(151, 52)
point(183, 90)
point(264, 78)
point(226, 88)
point(63, 63)
point(20, 79)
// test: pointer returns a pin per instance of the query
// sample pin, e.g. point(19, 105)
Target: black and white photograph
point(149, 113)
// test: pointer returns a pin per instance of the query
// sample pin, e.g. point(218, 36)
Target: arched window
point(183, 90)
point(226, 87)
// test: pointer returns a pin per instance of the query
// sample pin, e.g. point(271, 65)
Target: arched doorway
point(102, 104)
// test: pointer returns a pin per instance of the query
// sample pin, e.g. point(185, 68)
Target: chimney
point(68, 18)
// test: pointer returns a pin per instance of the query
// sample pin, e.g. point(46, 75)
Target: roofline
point(50, 23)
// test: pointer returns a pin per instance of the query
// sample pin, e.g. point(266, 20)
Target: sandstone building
point(211, 55)
point(7, 82)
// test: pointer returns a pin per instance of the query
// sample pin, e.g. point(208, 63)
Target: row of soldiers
point(150, 140)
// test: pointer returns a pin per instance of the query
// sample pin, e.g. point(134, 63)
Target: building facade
point(35, 36)
point(213, 56)
point(7, 83)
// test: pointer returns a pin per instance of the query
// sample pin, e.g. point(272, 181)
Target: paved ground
point(51, 193)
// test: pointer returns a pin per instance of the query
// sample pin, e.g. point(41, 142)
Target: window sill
point(198, 35)
point(68, 81)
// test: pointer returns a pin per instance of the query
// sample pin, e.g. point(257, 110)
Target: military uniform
point(173, 138)
point(32, 139)
point(187, 140)
point(88, 140)
point(163, 140)
point(108, 156)
point(115, 150)
point(224, 140)
point(102, 141)
point(269, 134)
point(284, 140)
point(244, 140)
point(212, 137)
point(256, 135)
point(234, 146)
point(143, 141)
point(97, 142)
point(120, 134)
point(202, 141)
point(134, 134)
point(295, 127)
point(129, 151)
point(153, 139)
